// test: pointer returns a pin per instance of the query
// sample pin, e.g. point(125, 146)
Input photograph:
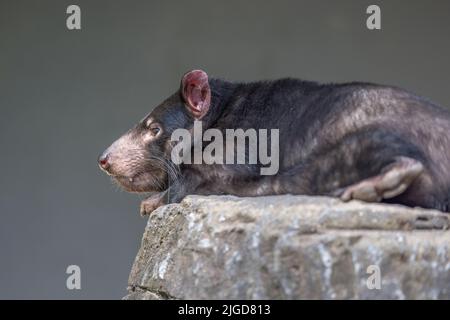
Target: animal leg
point(153, 202)
point(393, 180)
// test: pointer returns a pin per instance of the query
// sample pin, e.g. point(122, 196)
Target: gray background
point(66, 95)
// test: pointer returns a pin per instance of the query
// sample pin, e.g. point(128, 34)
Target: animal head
point(140, 159)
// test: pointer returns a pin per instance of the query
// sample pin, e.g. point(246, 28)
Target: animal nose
point(103, 162)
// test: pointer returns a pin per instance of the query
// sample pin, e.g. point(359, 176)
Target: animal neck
point(221, 94)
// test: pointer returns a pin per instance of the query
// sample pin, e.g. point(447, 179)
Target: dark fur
point(331, 136)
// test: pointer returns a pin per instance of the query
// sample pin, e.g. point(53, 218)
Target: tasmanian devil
point(353, 141)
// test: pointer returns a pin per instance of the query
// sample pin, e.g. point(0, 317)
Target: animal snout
point(103, 162)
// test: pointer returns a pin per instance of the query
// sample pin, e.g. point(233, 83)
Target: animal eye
point(155, 130)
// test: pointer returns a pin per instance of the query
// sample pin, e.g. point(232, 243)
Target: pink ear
point(196, 92)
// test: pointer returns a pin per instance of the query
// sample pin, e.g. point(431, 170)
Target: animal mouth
point(140, 182)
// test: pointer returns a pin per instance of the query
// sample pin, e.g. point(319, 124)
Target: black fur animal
point(354, 141)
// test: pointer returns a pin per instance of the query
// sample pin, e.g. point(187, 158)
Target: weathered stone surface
point(291, 247)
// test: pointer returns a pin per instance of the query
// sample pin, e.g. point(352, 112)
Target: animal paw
point(150, 204)
point(393, 181)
